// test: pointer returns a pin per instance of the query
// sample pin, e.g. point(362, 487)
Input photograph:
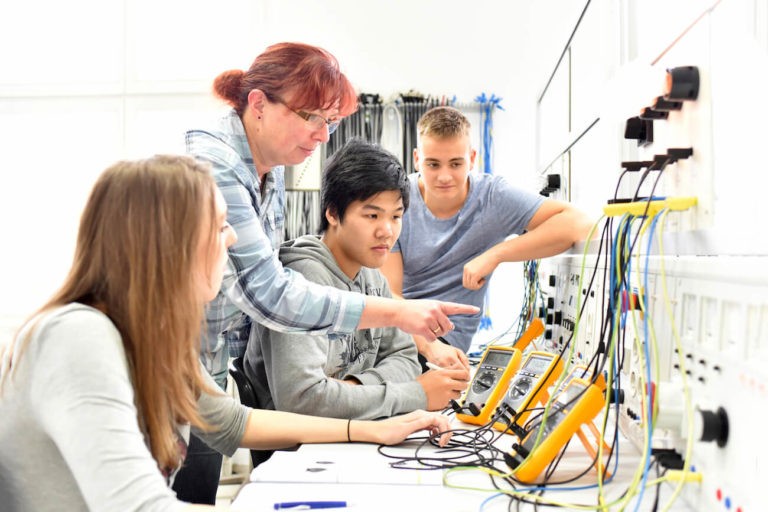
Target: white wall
point(618, 66)
point(86, 82)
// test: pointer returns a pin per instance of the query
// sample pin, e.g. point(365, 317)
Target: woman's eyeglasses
point(315, 121)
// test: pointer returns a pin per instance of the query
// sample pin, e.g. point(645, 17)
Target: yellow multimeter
point(491, 380)
point(576, 405)
point(580, 371)
point(539, 371)
point(490, 383)
point(584, 372)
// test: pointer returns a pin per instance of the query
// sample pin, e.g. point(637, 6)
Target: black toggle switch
point(649, 113)
point(659, 162)
point(665, 105)
point(679, 153)
point(553, 183)
point(634, 166)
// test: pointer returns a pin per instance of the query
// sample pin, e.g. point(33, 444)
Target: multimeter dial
point(483, 383)
point(520, 388)
point(489, 384)
point(487, 376)
point(529, 388)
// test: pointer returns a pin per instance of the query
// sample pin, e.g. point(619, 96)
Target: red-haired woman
point(283, 107)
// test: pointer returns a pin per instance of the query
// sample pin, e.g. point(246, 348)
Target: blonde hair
point(137, 248)
point(443, 123)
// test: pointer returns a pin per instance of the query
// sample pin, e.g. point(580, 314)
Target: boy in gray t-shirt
point(455, 232)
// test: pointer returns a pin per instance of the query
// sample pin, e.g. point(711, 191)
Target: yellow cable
point(685, 473)
point(683, 476)
point(569, 359)
point(525, 493)
point(634, 485)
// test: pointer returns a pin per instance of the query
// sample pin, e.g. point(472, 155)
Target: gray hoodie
point(302, 373)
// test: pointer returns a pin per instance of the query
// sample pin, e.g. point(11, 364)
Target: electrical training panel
point(663, 150)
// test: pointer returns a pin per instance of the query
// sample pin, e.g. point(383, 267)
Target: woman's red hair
point(309, 74)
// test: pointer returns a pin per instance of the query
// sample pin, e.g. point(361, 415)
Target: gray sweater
point(300, 373)
point(69, 434)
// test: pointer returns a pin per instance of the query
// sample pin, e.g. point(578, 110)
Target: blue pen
point(308, 505)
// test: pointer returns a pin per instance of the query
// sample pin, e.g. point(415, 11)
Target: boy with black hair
point(371, 373)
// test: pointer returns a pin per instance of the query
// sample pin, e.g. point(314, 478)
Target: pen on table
point(433, 366)
point(309, 505)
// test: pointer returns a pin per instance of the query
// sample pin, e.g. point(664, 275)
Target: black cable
point(616, 192)
point(465, 448)
point(623, 261)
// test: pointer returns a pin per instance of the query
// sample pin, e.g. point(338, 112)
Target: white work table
point(358, 474)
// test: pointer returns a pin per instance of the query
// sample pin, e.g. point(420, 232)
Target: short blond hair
point(443, 122)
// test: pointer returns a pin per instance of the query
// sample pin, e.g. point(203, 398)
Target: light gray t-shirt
point(69, 435)
point(435, 250)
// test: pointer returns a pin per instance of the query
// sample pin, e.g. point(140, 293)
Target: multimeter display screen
point(537, 364)
point(556, 415)
point(497, 358)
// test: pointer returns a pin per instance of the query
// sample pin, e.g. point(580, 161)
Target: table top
point(363, 476)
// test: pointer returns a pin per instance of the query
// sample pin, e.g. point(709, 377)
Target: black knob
point(715, 426)
point(682, 83)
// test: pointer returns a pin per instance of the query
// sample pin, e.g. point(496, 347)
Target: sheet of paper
point(342, 463)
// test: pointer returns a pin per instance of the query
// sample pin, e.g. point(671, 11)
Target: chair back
point(244, 386)
point(247, 397)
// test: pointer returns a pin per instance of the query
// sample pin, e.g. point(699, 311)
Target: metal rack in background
point(413, 106)
point(302, 213)
point(393, 124)
point(367, 123)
